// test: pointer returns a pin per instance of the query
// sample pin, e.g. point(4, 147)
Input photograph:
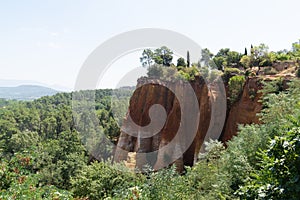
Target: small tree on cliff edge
point(147, 58)
point(163, 56)
point(181, 62)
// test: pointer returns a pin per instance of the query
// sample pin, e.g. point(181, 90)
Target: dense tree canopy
point(41, 145)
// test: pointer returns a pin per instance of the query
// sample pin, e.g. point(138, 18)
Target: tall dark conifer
point(188, 59)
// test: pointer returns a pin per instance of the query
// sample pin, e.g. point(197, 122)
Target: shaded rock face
point(182, 133)
point(245, 110)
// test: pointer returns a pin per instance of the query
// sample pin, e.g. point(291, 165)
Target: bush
point(192, 71)
point(204, 72)
point(18, 180)
point(214, 75)
point(173, 73)
point(270, 71)
point(61, 159)
point(235, 84)
point(155, 71)
point(181, 75)
point(279, 175)
point(265, 62)
point(102, 179)
point(230, 72)
point(169, 73)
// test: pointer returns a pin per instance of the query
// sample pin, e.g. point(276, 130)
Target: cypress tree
point(188, 59)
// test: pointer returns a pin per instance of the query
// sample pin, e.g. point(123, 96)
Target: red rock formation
point(212, 120)
point(245, 110)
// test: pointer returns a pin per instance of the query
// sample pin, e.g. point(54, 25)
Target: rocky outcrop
point(176, 135)
point(245, 110)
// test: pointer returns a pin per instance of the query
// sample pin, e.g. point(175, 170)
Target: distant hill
point(25, 92)
point(15, 83)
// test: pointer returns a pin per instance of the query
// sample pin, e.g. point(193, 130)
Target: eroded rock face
point(245, 110)
point(212, 120)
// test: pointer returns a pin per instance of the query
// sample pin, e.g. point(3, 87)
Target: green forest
point(44, 155)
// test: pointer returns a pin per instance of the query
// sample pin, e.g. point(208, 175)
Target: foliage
point(19, 180)
point(235, 85)
point(282, 119)
point(226, 58)
point(279, 175)
point(269, 71)
point(206, 57)
point(60, 159)
point(181, 75)
point(173, 73)
point(161, 56)
point(147, 58)
point(4, 102)
point(155, 71)
point(230, 72)
point(246, 61)
point(102, 179)
point(169, 73)
point(260, 55)
point(181, 62)
point(278, 171)
point(272, 87)
point(298, 73)
point(187, 74)
point(295, 53)
point(41, 148)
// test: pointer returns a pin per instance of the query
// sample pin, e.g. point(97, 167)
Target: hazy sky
point(47, 41)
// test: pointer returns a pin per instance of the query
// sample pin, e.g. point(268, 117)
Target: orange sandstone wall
point(150, 92)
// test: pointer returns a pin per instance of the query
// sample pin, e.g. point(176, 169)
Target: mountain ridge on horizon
point(16, 83)
point(26, 92)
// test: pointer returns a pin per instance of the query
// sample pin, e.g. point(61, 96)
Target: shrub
point(169, 73)
point(265, 62)
point(181, 75)
point(235, 84)
point(102, 179)
point(174, 73)
point(204, 72)
point(246, 61)
point(155, 71)
point(18, 179)
point(192, 71)
point(270, 71)
point(279, 175)
point(230, 72)
point(214, 75)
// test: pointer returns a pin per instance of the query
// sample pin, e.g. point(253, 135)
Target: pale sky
point(48, 41)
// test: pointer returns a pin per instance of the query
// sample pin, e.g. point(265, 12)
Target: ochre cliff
point(215, 118)
point(245, 110)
